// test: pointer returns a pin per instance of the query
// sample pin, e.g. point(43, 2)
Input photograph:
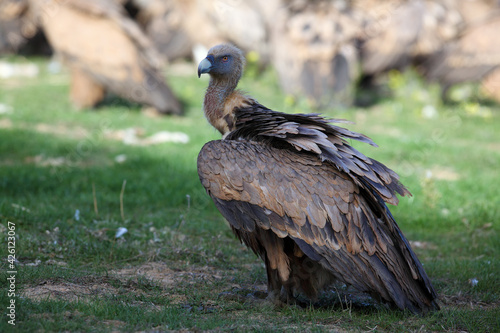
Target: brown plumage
point(310, 205)
point(105, 50)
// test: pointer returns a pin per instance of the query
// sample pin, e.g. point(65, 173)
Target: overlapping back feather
point(317, 135)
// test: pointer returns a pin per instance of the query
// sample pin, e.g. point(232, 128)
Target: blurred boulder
point(395, 33)
point(105, 50)
point(236, 21)
point(16, 26)
point(319, 48)
point(491, 85)
point(473, 54)
point(163, 23)
point(177, 26)
point(450, 41)
point(314, 52)
point(475, 11)
point(442, 22)
point(389, 31)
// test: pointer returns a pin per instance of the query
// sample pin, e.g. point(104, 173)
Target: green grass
point(178, 264)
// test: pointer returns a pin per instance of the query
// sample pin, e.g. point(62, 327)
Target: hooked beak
point(205, 66)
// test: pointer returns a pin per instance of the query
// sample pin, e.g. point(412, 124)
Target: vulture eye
point(225, 58)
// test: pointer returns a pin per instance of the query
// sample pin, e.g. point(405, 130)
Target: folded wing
point(335, 221)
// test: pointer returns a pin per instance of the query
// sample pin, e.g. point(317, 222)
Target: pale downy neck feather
point(218, 91)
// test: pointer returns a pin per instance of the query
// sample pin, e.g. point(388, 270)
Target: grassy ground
point(68, 182)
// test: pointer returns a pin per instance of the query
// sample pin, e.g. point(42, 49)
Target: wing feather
point(315, 134)
point(343, 222)
point(333, 200)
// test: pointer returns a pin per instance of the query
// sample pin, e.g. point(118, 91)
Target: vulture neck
point(219, 98)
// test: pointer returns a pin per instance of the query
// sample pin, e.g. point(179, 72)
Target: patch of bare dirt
point(113, 323)
point(57, 290)
point(135, 136)
point(73, 132)
point(6, 123)
point(423, 245)
point(160, 272)
point(84, 289)
point(44, 161)
point(387, 131)
point(444, 173)
point(494, 146)
point(464, 301)
point(155, 271)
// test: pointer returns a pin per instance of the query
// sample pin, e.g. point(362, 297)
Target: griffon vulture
point(305, 201)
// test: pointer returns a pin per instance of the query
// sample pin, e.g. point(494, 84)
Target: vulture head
point(224, 62)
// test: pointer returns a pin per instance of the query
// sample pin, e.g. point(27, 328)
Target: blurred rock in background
point(162, 21)
point(472, 53)
point(390, 29)
point(18, 33)
point(105, 50)
point(314, 52)
point(325, 50)
point(491, 85)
